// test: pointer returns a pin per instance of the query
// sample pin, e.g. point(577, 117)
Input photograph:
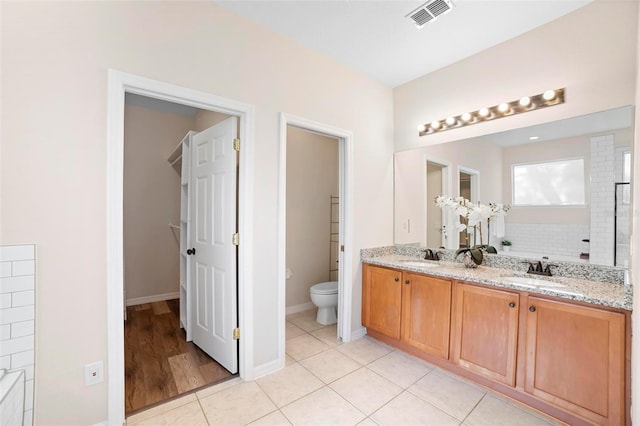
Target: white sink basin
point(419, 264)
point(531, 282)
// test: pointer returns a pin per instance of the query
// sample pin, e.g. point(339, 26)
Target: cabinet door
point(486, 326)
point(381, 299)
point(426, 313)
point(575, 359)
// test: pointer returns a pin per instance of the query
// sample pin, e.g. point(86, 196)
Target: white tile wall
point(548, 239)
point(17, 315)
point(602, 199)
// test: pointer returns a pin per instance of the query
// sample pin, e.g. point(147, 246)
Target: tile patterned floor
point(326, 382)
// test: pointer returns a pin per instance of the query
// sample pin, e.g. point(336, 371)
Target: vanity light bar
point(525, 104)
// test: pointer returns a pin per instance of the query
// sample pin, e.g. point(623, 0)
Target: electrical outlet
point(93, 373)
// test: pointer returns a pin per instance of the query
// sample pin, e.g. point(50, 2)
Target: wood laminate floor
point(159, 363)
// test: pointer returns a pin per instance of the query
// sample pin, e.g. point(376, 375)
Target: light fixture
point(549, 95)
point(534, 138)
point(526, 103)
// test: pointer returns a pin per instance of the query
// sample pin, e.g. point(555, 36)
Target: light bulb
point(549, 95)
point(503, 107)
point(422, 128)
point(525, 101)
point(450, 121)
point(466, 117)
point(435, 125)
point(484, 112)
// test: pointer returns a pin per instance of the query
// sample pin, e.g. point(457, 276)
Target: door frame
point(345, 274)
point(120, 83)
point(446, 190)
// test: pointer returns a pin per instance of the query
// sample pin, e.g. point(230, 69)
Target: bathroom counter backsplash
point(595, 284)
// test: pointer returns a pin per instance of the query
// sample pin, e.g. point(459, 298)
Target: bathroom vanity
point(560, 345)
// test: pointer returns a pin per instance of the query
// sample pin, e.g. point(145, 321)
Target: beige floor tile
point(402, 369)
point(160, 409)
point(304, 346)
point(274, 419)
point(323, 407)
point(307, 323)
point(330, 365)
point(453, 396)
point(328, 335)
point(291, 331)
point(365, 389)
point(408, 409)
point(288, 360)
point(289, 384)
point(219, 387)
point(238, 405)
point(367, 422)
point(186, 415)
point(364, 350)
point(493, 411)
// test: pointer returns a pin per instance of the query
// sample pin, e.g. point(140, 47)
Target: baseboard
point(358, 333)
point(299, 308)
point(266, 368)
point(151, 299)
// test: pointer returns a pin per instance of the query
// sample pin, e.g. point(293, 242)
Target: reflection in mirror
point(580, 212)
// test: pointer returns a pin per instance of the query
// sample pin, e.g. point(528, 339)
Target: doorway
point(436, 228)
point(119, 84)
point(468, 186)
point(312, 227)
point(344, 226)
point(174, 157)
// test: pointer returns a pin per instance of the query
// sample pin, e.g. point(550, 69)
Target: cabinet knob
point(532, 308)
point(512, 305)
point(396, 279)
point(407, 281)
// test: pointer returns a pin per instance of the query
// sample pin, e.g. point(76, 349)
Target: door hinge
point(342, 247)
point(236, 239)
point(236, 144)
point(236, 334)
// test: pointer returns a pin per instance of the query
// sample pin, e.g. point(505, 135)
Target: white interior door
point(213, 224)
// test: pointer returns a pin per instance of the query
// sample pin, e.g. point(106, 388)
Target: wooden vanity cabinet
point(382, 299)
point(485, 326)
point(426, 313)
point(413, 308)
point(575, 359)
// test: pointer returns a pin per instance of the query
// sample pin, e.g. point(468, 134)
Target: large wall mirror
point(568, 183)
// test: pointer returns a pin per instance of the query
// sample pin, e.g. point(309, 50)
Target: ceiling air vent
point(430, 11)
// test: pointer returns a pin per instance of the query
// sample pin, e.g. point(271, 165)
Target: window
point(553, 183)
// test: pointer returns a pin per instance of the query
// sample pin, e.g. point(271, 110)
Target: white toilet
point(325, 297)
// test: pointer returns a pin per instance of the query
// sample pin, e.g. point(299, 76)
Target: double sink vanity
point(559, 344)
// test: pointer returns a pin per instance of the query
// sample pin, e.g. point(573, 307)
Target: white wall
point(312, 178)
point(55, 58)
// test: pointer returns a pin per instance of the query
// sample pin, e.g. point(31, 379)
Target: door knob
point(191, 251)
point(407, 281)
point(396, 279)
point(512, 305)
point(532, 308)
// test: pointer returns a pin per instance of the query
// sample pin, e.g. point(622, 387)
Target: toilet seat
point(329, 287)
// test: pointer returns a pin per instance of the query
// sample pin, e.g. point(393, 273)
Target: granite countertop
point(582, 290)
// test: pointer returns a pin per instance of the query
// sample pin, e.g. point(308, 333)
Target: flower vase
point(467, 261)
